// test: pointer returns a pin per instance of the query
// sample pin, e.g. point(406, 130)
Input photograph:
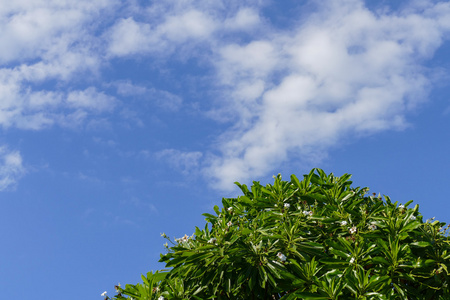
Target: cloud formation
point(287, 92)
point(345, 70)
point(48, 42)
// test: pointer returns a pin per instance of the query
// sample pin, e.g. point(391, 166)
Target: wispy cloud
point(11, 168)
point(48, 42)
point(344, 71)
point(163, 99)
point(185, 162)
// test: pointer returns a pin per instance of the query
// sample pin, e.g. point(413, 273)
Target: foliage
point(318, 238)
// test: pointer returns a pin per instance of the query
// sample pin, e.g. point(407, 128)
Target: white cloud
point(163, 99)
point(246, 19)
point(186, 162)
point(48, 42)
point(190, 24)
point(126, 88)
point(90, 99)
point(128, 36)
point(344, 71)
point(173, 25)
point(34, 28)
point(11, 168)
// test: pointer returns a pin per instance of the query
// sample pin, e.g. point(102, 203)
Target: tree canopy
point(315, 238)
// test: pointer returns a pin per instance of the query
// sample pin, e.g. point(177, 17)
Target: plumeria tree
point(316, 238)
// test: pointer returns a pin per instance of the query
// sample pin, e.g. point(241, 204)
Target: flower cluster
point(281, 256)
point(353, 230)
point(308, 213)
point(184, 239)
point(373, 226)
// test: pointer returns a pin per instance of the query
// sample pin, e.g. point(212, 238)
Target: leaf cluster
point(315, 238)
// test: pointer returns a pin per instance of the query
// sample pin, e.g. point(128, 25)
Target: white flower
point(117, 287)
point(352, 260)
point(343, 223)
point(281, 256)
point(413, 218)
point(287, 205)
point(160, 298)
point(230, 209)
point(401, 207)
point(353, 230)
point(307, 213)
point(212, 240)
point(104, 294)
point(373, 226)
point(184, 239)
point(229, 223)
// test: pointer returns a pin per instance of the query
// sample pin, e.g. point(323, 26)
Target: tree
point(318, 238)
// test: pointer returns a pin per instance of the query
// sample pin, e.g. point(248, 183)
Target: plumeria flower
point(413, 218)
point(343, 223)
point(281, 256)
point(212, 240)
point(104, 294)
point(160, 298)
point(307, 213)
point(287, 205)
point(184, 239)
point(229, 223)
point(373, 226)
point(353, 230)
point(352, 260)
point(230, 209)
point(401, 207)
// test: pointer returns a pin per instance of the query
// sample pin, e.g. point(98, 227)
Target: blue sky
point(121, 120)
